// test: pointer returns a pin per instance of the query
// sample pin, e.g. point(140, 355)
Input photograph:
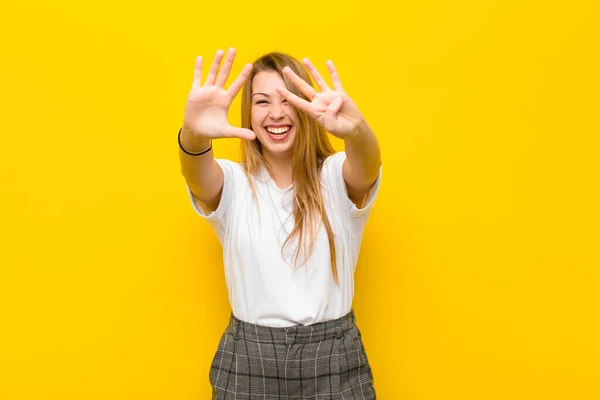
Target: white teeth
point(279, 131)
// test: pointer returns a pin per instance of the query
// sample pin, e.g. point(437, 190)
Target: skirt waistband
point(292, 334)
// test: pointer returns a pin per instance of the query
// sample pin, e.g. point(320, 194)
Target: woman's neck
point(281, 170)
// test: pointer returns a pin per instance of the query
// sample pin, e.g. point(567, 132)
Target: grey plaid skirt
point(321, 361)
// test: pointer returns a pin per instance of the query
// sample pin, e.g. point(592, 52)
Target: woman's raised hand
point(332, 108)
point(207, 105)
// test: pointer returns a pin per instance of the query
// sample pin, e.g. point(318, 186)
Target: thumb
point(241, 133)
point(334, 107)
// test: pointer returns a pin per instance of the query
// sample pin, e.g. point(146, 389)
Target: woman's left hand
point(333, 109)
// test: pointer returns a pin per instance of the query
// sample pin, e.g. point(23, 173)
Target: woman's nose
point(276, 111)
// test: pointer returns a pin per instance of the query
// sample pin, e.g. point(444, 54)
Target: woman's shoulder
point(334, 161)
point(233, 171)
point(336, 156)
point(239, 172)
point(233, 165)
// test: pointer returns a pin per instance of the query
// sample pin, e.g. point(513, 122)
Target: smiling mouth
point(278, 131)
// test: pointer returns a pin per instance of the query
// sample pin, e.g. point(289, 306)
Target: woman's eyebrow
point(264, 94)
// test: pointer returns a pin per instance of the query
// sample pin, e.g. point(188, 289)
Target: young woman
point(290, 218)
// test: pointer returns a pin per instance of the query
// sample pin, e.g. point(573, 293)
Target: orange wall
point(479, 272)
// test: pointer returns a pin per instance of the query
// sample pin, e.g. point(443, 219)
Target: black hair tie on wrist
point(187, 152)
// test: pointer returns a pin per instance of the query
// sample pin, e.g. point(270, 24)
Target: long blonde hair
point(311, 148)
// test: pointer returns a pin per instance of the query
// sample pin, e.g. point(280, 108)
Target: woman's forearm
point(363, 154)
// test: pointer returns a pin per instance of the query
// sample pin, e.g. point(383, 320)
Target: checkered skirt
point(321, 361)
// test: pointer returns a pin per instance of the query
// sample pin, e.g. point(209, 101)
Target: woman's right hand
point(207, 106)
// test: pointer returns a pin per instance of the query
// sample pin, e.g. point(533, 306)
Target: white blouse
point(263, 288)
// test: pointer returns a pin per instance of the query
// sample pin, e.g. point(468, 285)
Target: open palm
point(207, 106)
point(332, 108)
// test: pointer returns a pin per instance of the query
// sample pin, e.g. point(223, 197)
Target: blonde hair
point(311, 148)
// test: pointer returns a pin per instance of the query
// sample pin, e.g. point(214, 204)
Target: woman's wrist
point(361, 130)
point(192, 141)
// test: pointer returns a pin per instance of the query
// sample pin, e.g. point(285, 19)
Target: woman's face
point(273, 119)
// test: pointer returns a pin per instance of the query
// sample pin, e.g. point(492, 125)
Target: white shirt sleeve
point(219, 218)
point(356, 217)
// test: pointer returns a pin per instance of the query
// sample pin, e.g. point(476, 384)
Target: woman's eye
point(261, 102)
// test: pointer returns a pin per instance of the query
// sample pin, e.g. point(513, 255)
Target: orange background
point(479, 272)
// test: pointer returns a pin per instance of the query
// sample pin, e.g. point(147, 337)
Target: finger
point(335, 79)
point(316, 75)
point(300, 83)
point(334, 107)
point(197, 73)
point(241, 133)
point(214, 68)
point(239, 81)
point(295, 100)
point(226, 68)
